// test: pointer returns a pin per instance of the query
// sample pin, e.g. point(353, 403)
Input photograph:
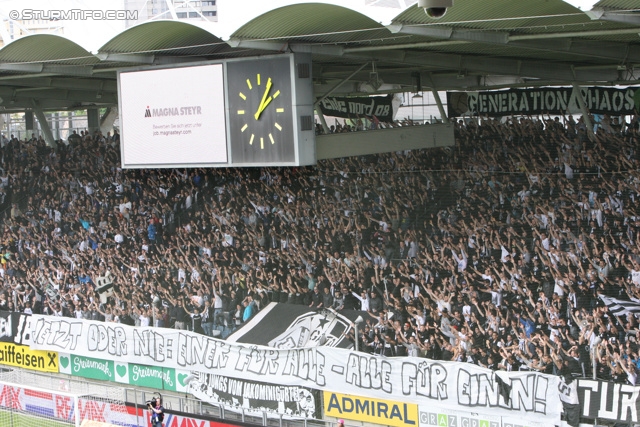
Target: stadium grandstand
point(487, 270)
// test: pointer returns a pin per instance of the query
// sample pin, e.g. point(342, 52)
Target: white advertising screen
point(173, 117)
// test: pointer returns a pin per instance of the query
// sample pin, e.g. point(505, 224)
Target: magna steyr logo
point(172, 111)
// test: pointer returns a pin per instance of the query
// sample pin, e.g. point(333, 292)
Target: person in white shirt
point(364, 300)
point(461, 259)
point(145, 317)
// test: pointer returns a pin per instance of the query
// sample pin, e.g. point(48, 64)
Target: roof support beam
point(275, 46)
point(287, 47)
point(125, 57)
point(107, 85)
point(416, 30)
point(492, 65)
point(435, 62)
point(607, 50)
point(46, 104)
point(61, 94)
point(563, 42)
point(317, 50)
point(436, 96)
point(572, 34)
point(626, 17)
point(340, 83)
point(328, 93)
point(168, 60)
point(26, 76)
point(450, 33)
point(68, 70)
point(108, 118)
point(22, 68)
point(44, 124)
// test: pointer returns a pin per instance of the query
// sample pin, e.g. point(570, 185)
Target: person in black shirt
point(431, 349)
point(350, 302)
point(617, 375)
point(316, 298)
point(390, 345)
point(482, 358)
point(327, 298)
point(196, 320)
point(375, 303)
point(447, 352)
point(157, 412)
point(573, 365)
point(179, 315)
point(423, 334)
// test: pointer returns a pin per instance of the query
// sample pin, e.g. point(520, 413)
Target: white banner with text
point(452, 385)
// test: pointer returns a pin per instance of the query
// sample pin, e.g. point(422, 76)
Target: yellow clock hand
point(264, 106)
point(265, 101)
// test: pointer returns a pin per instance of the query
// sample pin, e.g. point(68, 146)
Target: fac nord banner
point(552, 100)
point(365, 409)
point(449, 384)
point(350, 108)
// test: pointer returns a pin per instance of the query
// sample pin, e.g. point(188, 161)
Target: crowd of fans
point(362, 123)
point(492, 252)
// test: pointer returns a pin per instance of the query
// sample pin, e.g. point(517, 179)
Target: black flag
point(504, 389)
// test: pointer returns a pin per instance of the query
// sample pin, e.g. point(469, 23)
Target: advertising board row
point(59, 406)
point(400, 414)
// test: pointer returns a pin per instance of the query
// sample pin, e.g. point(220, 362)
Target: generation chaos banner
point(551, 100)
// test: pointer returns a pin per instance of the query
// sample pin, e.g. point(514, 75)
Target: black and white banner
point(568, 388)
point(290, 402)
point(246, 376)
point(285, 326)
point(351, 108)
point(525, 395)
point(552, 100)
point(15, 327)
point(568, 392)
point(619, 307)
point(609, 401)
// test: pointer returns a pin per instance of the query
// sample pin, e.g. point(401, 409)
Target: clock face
point(261, 111)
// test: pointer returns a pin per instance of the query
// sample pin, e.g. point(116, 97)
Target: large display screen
point(173, 117)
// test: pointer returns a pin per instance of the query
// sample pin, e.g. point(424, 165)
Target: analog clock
point(261, 111)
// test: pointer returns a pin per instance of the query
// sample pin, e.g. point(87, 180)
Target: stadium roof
point(476, 45)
